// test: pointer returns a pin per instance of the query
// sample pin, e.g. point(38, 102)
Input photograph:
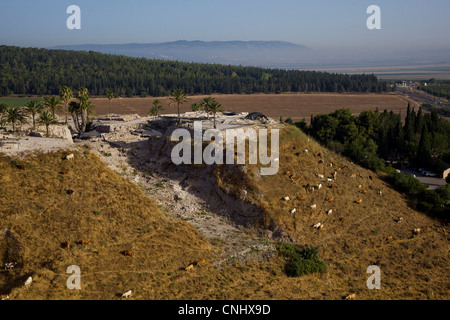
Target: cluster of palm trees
point(178, 97)
point(41, 112)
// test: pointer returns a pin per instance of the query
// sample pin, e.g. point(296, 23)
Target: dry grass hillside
point(39, 213)
point(369, 223)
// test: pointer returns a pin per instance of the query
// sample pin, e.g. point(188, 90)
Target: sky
point(337, 24)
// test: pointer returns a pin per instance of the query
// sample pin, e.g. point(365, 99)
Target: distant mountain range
point(254, 53)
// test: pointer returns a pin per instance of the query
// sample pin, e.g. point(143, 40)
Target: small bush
point(301, 261)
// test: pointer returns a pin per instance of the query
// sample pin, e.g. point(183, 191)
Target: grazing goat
point(287, 173)
point(334, 175)
point(321, 161)
point(354, 175)
point(292, 176)
point(320, 176)
point(4, 297)
point(309, 188)
point(127, 294)
point(293, 211)
point(201, 262)
point(417, 231)
point(359, 201)
point(351, 297)
point(318, 226)
point(128, 253)
point(331, 199)
point(330, 180)
point(399, 220)
point(343, 219)
point(314, 207)
point(319, 187)
point(189, 267)
point(301, 198)
point(70, 157)
point(306, 150)
point(66, 245)
point(380, 192)
point(363, 191)
point(28, 282)
point(10, 265)
point(330, 211)
point(286, 199)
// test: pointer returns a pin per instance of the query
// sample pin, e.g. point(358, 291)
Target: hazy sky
point(320, 23)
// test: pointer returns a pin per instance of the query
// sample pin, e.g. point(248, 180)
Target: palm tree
point(14, 115)
point(85, 107)
point(75, 110)
point(47, 119)
point(157, 108)
point(110, 95)
point(206, 103)
point(196, 106)
point(52, 103)
point(215, 107)
point(65, 93)
point(177, 97)
point(34, 107)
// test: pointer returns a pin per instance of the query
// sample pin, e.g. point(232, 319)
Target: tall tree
point(85, 107)
point(215, 107)
point(14, 115)
point(206, 104)
point(47, 119)
point(52, 104)
point(33, 108)
point(65, 93)
point(177, 97)
point(423, 157)
point(110, 95)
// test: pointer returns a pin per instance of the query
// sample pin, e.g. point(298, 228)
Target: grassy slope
point(35, 207)
point(412, 266)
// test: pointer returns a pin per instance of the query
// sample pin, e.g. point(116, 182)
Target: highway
point(422, 97)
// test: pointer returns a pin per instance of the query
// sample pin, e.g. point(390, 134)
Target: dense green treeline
point(43, 72)
point(371, 137)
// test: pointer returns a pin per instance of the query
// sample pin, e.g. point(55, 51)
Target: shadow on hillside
point(152, 156)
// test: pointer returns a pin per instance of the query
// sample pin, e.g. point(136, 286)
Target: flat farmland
point(295, 106)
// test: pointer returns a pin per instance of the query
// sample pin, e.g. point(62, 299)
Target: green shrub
point(301, 261)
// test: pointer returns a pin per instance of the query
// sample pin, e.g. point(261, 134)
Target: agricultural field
point(295, 106)
point(17, 101)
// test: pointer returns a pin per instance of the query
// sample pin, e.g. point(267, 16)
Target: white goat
point(318, 226)
point(314, 206)
point(70, 157)
point(293, 211)
point(127, 294)
point(29, 281)
point(330, 211)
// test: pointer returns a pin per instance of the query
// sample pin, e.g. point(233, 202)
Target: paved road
point(433, 183)
point(421, 97)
